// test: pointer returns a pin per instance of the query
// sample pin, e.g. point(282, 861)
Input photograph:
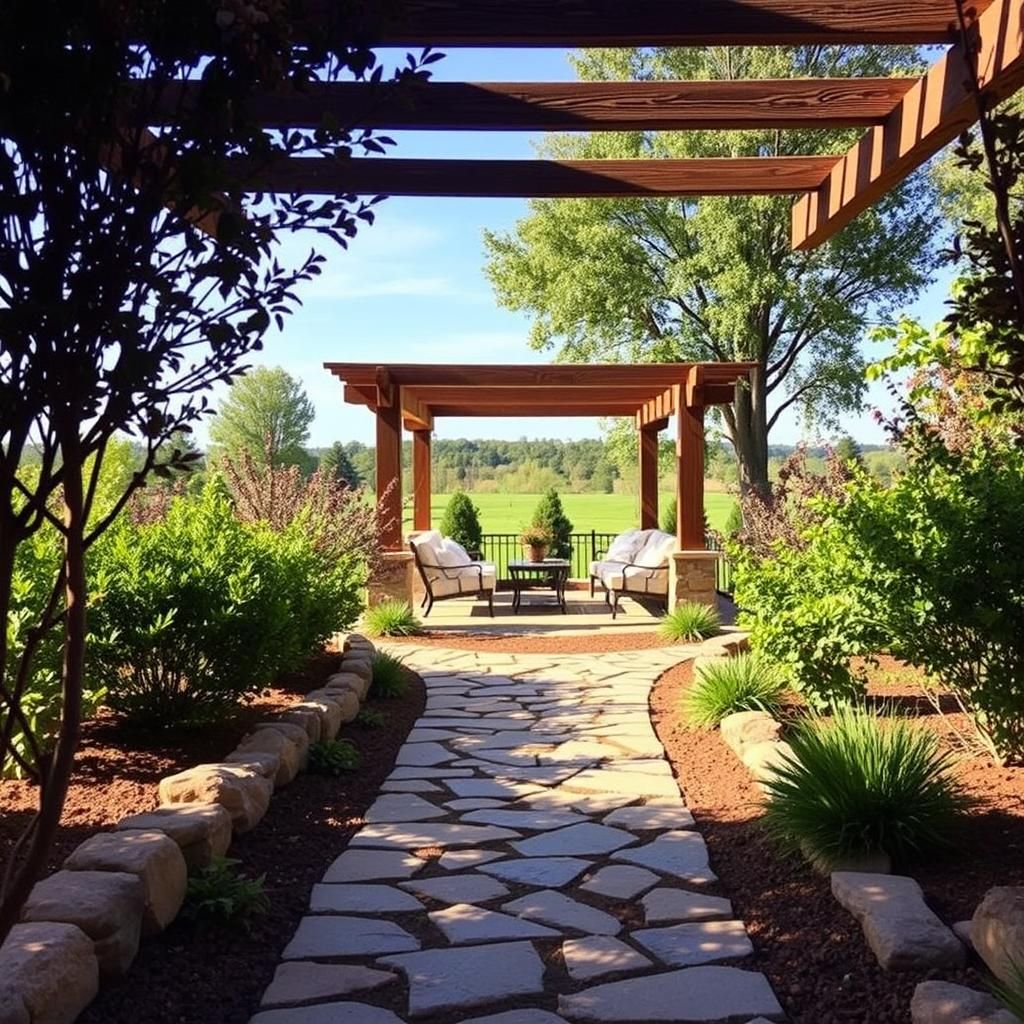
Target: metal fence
point(502, 548)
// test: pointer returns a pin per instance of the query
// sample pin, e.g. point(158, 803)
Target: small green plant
point(727, 685)
point(535, 537)
point(1010, 993)
point(668, 515)
point(334, 757)
point(690, 622)
point(858, 786)
point(220, 894)
point(461, 522)
point(371, 718)
point(389, 676)
point(391, 618)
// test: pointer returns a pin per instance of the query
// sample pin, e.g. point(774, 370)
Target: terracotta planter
point(537, 552)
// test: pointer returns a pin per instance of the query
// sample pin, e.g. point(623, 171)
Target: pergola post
point(421, 479)
point(389, 474)
point(647, 442)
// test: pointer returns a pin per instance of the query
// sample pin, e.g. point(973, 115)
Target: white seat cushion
point(463, 579)
point(635, 579)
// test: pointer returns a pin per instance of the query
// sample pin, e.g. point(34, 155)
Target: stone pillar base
point(691, 577)
point(395, 579)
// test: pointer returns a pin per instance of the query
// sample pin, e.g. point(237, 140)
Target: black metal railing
point(502, 548)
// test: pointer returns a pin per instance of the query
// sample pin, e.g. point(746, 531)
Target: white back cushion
point(428, 545)
point(656, 551)
point(626, 545)
point(451, 552)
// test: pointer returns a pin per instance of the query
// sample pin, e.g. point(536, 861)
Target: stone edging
point(84, 923)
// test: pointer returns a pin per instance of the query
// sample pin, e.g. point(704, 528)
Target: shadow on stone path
point(529, 861)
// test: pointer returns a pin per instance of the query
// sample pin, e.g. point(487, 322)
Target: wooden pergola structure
point(906, 120)
point(414, 395)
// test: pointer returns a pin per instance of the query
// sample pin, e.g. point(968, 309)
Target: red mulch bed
point(811, 949)
point(586, 643)
point(216, 975)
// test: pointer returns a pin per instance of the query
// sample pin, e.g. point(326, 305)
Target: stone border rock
point(82, 924)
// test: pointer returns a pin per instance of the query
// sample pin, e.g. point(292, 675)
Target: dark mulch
point(191, 975)
point(812, 950)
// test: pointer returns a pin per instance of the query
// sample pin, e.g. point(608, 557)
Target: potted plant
point(536, 541)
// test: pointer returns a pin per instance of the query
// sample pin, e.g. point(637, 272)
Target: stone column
point(692, 578)
point(394, 580)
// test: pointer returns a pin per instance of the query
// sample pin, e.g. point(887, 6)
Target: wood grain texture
point(540, 178)
point(389, 474)
point(690, 471)
point(657, 22)
point(575, 106)
point(648, 458)
point(421, 479)
point(932, 114)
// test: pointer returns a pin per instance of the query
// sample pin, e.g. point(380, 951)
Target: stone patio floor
point(528, 861)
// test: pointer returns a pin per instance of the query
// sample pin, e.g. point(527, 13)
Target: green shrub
point(668, 515)
point(689, 622)
point(371, 718)
point(461, 522)
point(734, 521)
point(391, 618)
point(1011, 993)
point(858, 786)
point(219, 894)
point(389, 676)
point(727, 685)
point(550, 517)
point(334, 757)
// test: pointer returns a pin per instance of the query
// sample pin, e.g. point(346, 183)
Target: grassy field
point(606, 513)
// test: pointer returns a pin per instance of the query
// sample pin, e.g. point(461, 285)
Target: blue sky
point(412, 287)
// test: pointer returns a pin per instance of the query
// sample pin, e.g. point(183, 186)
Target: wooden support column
point(421, 479)
point(690, 473)
point(389, 473)
point(647, 438)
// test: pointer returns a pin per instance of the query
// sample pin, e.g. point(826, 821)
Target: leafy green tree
point(550, 515)
point(266, 414)
point(461, 522)
point(848, 451)
point(715, 278)
point(335, 463)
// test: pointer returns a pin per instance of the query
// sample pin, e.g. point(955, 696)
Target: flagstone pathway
point(529, 861)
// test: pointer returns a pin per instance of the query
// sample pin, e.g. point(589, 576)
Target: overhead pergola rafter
point(908, 120)
point(413, 395)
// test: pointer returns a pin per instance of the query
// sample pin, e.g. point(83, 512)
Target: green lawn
point(605, 513)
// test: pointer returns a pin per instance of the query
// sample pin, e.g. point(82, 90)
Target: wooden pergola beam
point(448, 23)
point(536, 407)
point(931, 115)
point(541, 178)
point(575, 106)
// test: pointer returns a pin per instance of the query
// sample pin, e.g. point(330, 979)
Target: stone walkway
point(529, 861)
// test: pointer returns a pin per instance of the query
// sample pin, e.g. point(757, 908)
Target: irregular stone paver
point(532, 790)
point(538, 870)
point(939, 1002)
point(458, 888)
point(449, 979)
point(680, 854)
point(620, 881)
point(347, 936)
point(596, 956)
point(367, 865)
point(691, 994)
point(662, 905)
point(464, 924)
point(696, 942)
point(412, 837)
point(576, 840)
point(559, 911)
point(303, 982)
point(360, 899)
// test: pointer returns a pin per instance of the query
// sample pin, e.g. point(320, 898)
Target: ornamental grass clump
point(690, 622)
point(334, 757)
point(391, 618)
point(858, 787)
point(727, 685)
point(389, 676)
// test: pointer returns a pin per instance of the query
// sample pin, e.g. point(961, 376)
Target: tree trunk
point(55, 769)
point(747, 427)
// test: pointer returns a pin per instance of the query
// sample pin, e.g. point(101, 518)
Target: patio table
point(551, 574)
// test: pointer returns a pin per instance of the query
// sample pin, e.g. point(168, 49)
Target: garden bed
point(217, 975)
point(589, 641)
point(811, 949)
